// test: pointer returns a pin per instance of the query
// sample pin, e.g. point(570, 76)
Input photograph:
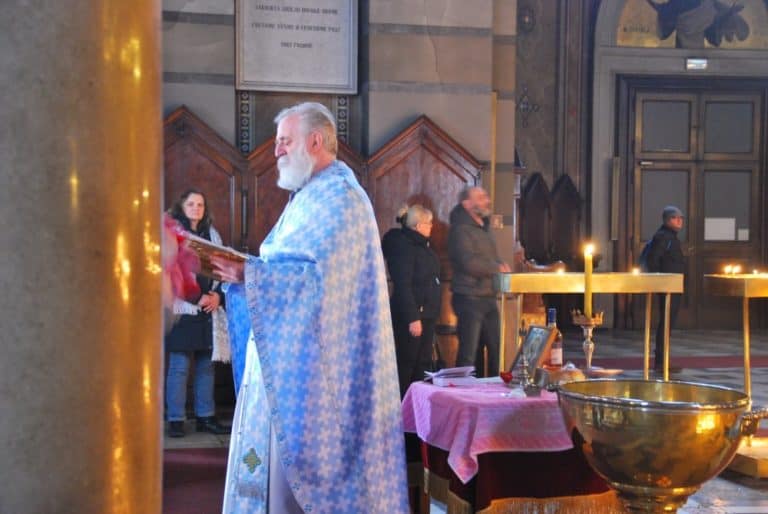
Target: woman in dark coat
point(415, 302)
point(191, 337)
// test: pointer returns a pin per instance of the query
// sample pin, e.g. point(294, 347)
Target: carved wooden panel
point(565, 233)
point(355, 161)
point(421, 165)
point(266, 200)
point(566, 243)
point(535, 219)
point(197, 157)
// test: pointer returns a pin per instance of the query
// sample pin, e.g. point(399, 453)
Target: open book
point(206, 249)
point(464, 375)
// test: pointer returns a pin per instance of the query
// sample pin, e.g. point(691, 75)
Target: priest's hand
point(229, 270)
point(414, 327)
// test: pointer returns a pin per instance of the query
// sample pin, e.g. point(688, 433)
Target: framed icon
point(535, 347)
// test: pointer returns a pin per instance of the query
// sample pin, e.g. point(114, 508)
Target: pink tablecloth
point(469, 420)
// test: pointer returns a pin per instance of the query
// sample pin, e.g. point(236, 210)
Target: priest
point(317, 426)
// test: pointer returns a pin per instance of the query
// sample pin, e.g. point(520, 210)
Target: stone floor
point(729, 493)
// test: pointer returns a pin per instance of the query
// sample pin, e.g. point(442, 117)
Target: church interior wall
point(213, 103)
point(536, 77)
point(612, 61)
point(434, 59)
point(552, 87)
point(503, 82)
point(442, 58)
point(199, 61)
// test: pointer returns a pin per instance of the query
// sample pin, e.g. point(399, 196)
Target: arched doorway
point(642, 90)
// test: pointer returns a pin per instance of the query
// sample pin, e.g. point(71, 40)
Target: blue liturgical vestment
point(320, 366)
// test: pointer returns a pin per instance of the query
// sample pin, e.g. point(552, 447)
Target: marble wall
point(442, 58)
point(199, 61)
point(445, 58)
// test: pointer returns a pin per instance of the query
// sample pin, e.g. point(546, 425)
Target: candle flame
point(635, 271)
point(589, 249)
point(728, 269)
point(737, 269)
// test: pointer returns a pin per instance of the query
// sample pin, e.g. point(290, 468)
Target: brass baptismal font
point(656, 442)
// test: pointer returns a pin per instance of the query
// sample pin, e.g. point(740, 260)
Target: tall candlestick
point(588, 251)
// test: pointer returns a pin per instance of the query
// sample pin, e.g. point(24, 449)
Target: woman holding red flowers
point(191, 337)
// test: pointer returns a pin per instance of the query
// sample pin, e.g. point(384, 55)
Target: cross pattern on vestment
point(251, 460)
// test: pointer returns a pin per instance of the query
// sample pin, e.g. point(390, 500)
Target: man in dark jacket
point(473, 257)
point(666, 256)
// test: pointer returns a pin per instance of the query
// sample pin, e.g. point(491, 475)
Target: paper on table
point(454, 381)
point(464, 371)
point(452, 376)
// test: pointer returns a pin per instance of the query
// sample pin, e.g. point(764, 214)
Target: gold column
point(747, 365)
point(494, 110)
point(667, 328)
point(80, 177)
point(502, 333)
point(647, 335)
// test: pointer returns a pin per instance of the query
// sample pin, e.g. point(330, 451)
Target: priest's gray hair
point(314, 117)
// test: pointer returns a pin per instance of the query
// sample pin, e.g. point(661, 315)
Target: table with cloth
point(487, 448)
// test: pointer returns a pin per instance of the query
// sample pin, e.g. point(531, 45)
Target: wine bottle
point(556, 350)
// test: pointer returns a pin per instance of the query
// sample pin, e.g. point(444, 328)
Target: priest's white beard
point(295, 169)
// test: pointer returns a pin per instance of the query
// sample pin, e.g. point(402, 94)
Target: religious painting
point(693, 24)
point(296, 46)
point(535, 347)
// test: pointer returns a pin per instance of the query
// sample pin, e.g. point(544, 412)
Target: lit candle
point(635, 271)
point(728, 269)
point(737, 269)
point(588, 251)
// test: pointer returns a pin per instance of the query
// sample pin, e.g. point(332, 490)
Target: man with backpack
point(663, 254)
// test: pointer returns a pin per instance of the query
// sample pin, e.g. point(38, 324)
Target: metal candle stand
point(587, 326)
point(529, 383)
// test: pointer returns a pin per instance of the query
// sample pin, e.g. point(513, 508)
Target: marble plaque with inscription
point(297, 45)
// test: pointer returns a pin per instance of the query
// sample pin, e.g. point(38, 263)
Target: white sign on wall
point(297, 45)
point(719, 229)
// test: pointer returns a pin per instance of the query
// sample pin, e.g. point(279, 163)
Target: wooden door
point(700, 151)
